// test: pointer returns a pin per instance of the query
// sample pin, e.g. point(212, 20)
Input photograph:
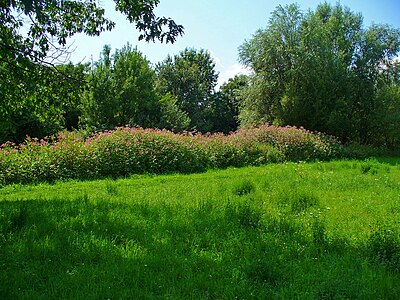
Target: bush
point(296, 144)
point(126, 151)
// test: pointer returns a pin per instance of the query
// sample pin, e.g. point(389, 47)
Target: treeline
point(121, 88)
point(318, 69)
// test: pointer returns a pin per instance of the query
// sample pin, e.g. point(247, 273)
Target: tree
point(50, 22)
point(227, 103)
point(321, 70)
point(190, 77)
point(40, 102)
point(33, 42)
point(172, 117)
point(121, 91)
point(387, 120)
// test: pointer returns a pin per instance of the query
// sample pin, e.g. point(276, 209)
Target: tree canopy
point(190, 77)
point(121, 91)
point(320, 69)
point(33, 29)
point(38, 96)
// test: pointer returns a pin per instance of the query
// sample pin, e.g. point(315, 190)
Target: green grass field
point(281, 231)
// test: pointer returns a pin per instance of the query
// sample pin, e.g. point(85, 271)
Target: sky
point(218, 26)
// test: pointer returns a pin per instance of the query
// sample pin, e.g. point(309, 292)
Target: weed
point(243, 215)
point(384, 246)
point(369, 168)
point(318, 232)
point(111, 188)
point(298, 200)
point(302, 201)
point(282, 226)
point(267, 270)
point(372, 166)
point(244, 188)
point(248, 217)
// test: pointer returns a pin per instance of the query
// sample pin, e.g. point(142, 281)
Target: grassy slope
point(316, 230)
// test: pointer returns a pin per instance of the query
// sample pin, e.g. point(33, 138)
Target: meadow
point(292, 230)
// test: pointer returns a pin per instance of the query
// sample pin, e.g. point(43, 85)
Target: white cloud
point(232, 71)
point(217, 61)
point(225, 73)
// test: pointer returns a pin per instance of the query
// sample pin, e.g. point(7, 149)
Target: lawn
point(321, 230)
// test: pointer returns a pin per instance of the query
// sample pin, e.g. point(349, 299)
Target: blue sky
point(219, 26)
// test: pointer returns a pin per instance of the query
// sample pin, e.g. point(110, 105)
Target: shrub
point(126, 151)
point(296, 144)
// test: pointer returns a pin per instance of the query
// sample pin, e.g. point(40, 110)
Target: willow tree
point(319, 69)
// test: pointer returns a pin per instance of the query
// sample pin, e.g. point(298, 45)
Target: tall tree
point(190, 77)
point(320, 69)
point(121, 91)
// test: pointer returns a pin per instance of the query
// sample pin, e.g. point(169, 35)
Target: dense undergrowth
point(126, 151)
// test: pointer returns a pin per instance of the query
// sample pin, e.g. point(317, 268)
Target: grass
point(281, 231)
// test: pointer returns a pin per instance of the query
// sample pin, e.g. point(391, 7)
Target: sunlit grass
point(295, 230)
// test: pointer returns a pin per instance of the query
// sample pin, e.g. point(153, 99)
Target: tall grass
point(126, 151)
point(281, 231)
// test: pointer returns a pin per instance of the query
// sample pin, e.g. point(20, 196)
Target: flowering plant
point(125, 151)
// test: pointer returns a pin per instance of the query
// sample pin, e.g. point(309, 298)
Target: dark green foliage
point(190, 77)
point(227, 103)
point(384, 246)
point(172, 117)
point(121, 92)
point(387, 121)
point(38, 95)
point(244, 188)
point(40, 101)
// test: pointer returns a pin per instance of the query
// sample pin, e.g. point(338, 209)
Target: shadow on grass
point(97, 249)
point(391, 160)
